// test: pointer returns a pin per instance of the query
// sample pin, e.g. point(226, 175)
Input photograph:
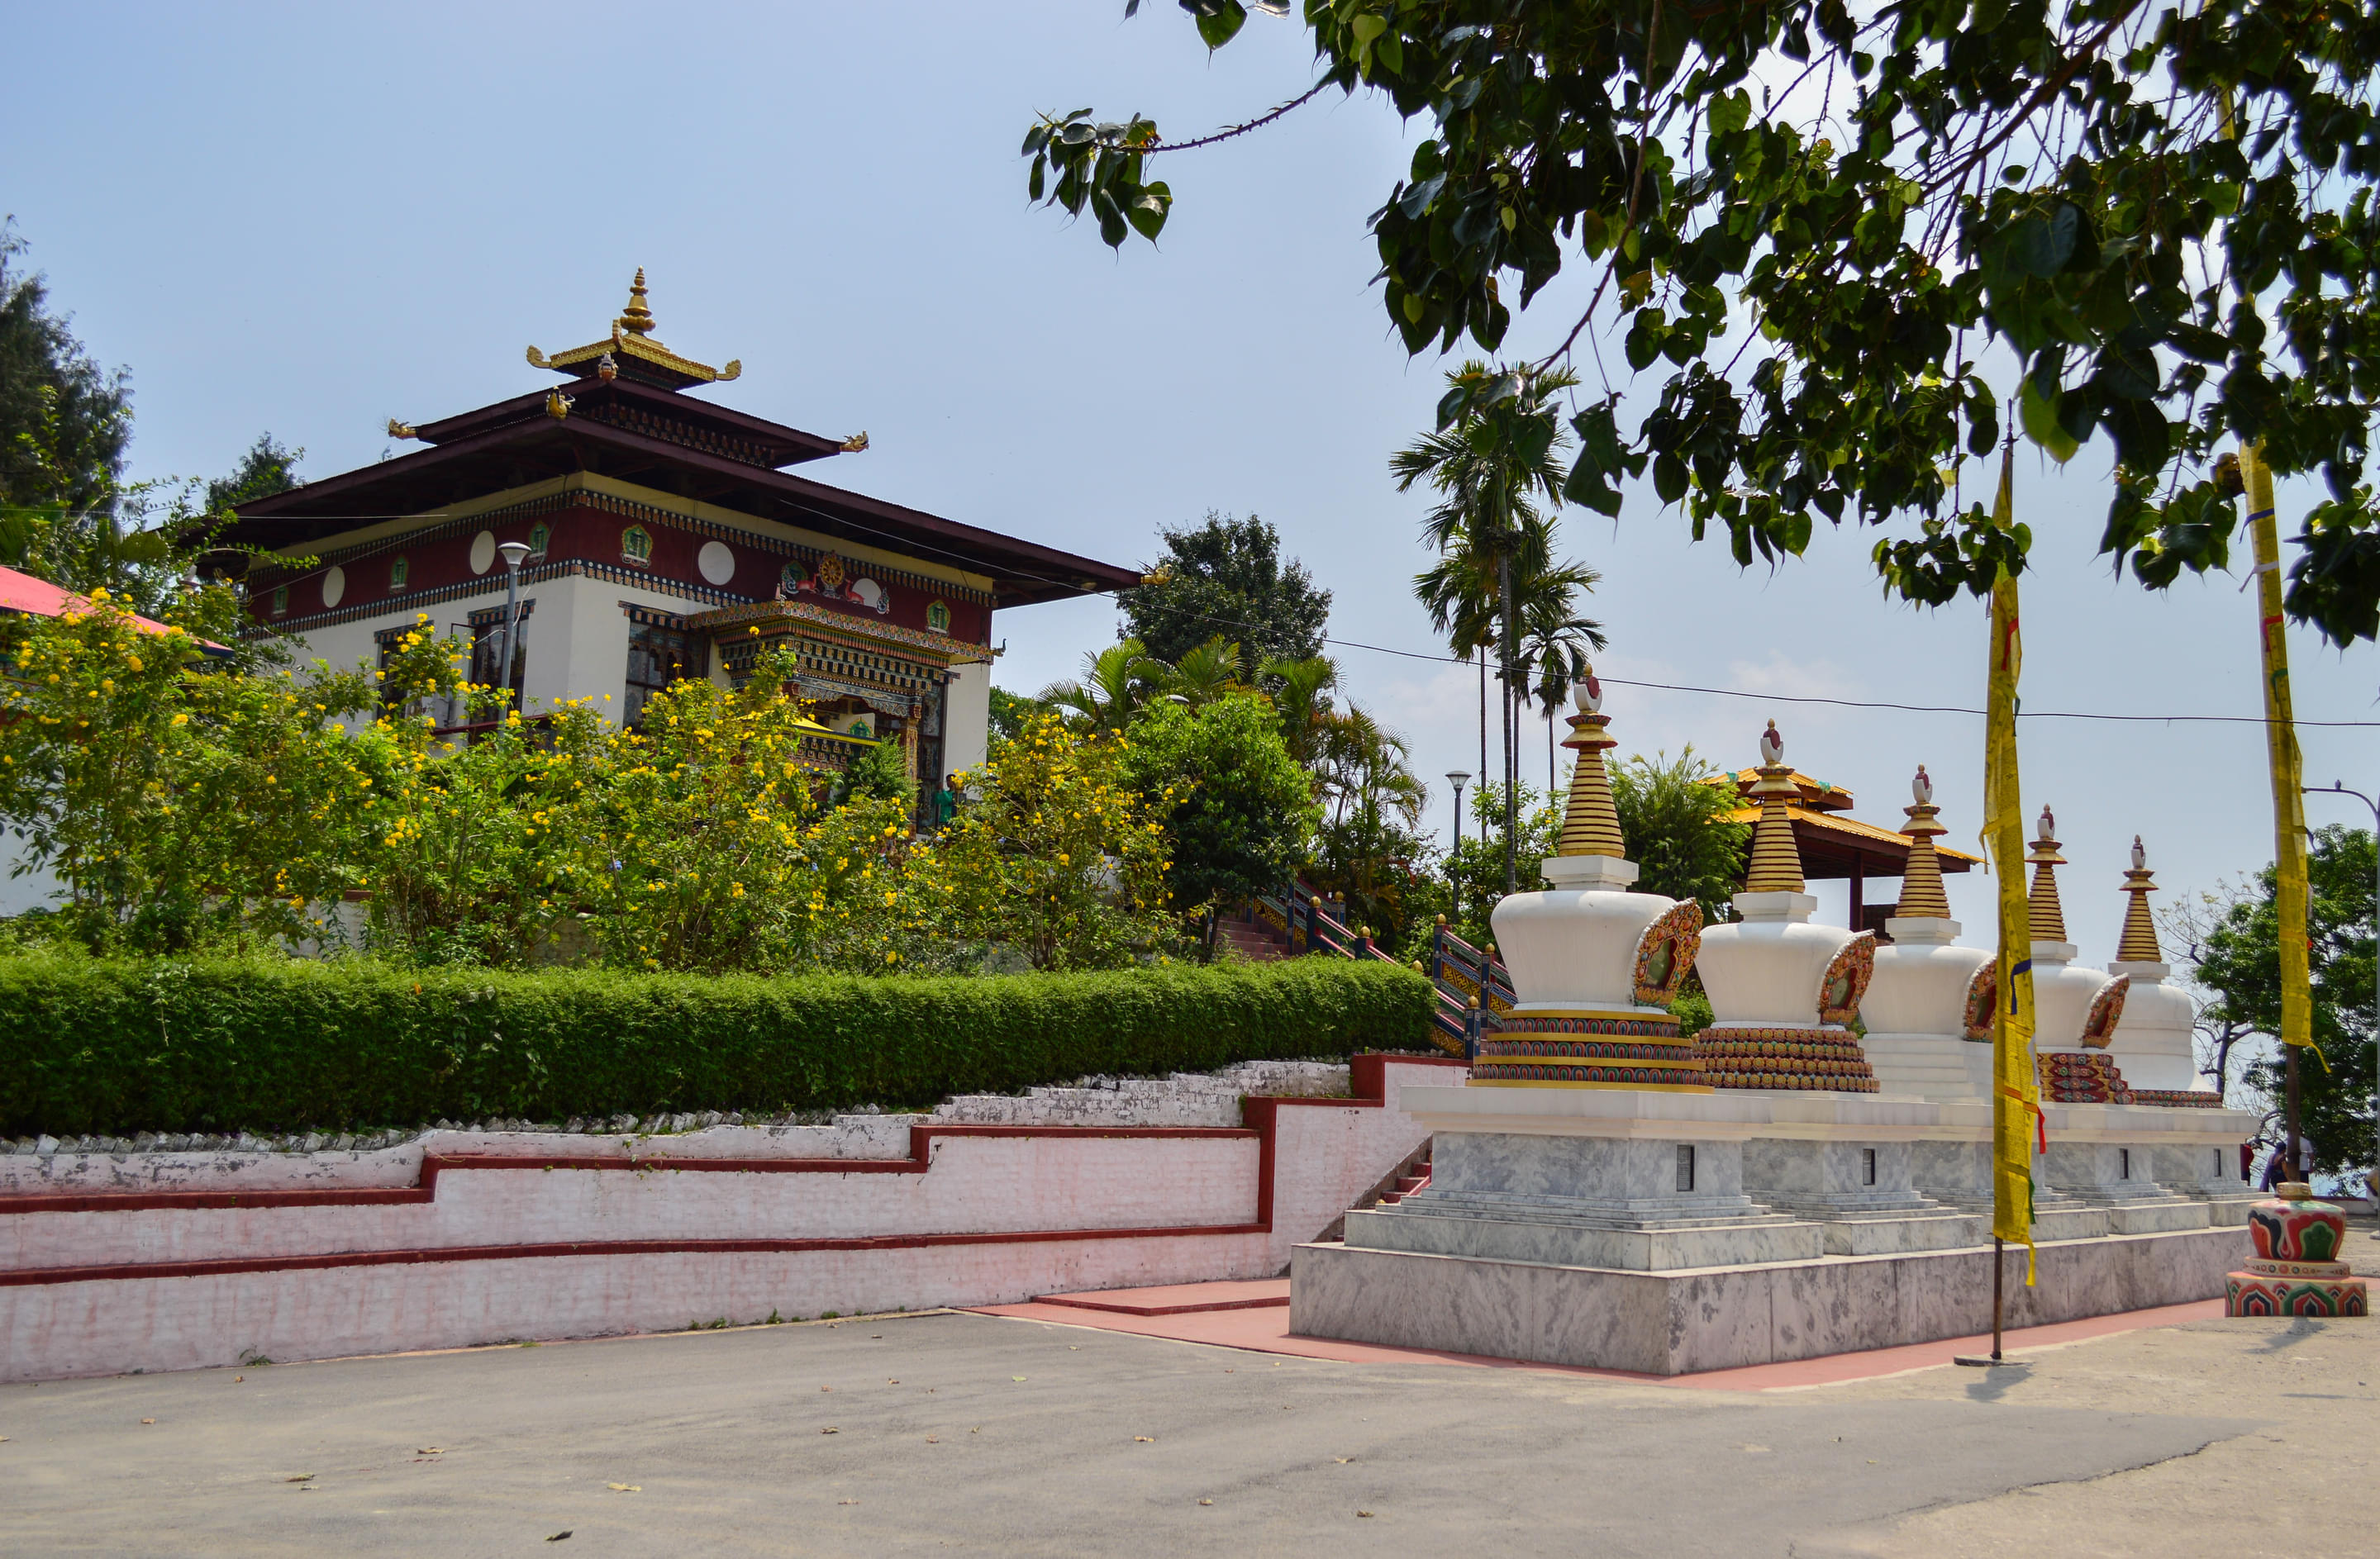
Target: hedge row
point(117, 1047)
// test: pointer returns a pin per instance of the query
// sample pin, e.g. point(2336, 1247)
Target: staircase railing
point(1308, 923)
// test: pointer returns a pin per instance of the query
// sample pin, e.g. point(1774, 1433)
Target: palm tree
point(1301, 693)
point(1202, 675)
point(1555, 640)
point(1115, 682)
point(1492, 458)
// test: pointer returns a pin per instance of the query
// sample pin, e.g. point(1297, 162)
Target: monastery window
point(281, 600)
point(398, 572)
point(658, 655)
point(637, 546)
point(938, 617)
point(539, 535)
point(487, 650)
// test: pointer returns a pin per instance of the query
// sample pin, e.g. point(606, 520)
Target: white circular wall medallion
point(483, 552)
point(334, 585)
point(716, 562)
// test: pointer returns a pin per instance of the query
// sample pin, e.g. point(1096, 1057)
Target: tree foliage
point(1240, 811)
point(1225, 577)
point(2164, 216)
point(1679, 828)
point(2237, 963)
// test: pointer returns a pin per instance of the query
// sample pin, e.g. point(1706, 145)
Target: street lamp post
point(1457, 778)
point(2338, 788)
point(514, 554)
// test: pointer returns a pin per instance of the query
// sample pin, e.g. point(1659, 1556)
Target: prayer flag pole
point(2016, 1090)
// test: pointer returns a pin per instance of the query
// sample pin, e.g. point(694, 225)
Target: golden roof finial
point(2048, 916)
point(2139, 942)
point(636, 317)
point(631, 351)
point(1590, 823)
point(1776, 857)
point(1921, 880)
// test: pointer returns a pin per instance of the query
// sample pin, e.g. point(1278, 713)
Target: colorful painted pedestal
point(2295, 1271)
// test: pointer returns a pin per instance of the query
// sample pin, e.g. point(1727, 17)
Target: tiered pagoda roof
point(623, 414)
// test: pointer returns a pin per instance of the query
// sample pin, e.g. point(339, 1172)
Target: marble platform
point(1717, 1318)
point(1624, 1201)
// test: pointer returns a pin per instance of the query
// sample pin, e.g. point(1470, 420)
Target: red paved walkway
point(1256, 1316)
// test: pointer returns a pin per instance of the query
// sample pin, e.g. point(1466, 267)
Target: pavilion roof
point(664, 439)
point(624, 415)
point(33, 597)
point(1832, 845)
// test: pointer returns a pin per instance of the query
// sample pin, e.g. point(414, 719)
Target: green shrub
point(116, 1047)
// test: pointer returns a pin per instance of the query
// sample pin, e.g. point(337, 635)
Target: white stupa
point(1920, 1003)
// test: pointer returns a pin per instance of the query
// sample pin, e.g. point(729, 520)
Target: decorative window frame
point(938, 616)
point(280, 601)
point(540, 536)
point(637, 546)
point(400, 571)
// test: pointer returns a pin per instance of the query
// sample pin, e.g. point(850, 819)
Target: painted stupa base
point(2177, 1098)
point(1669, 1322)
point(2081, 1076)
point(1827, 1058)
point(2295, 1269)
point(1589, 1049)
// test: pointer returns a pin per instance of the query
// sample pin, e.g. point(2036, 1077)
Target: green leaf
point(1220, 25)
point(2040, 417)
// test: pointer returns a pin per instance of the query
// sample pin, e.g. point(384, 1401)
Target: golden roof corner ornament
point(735, 369)
point(536, 359)
point(402, 429)
point(855, 443)
point(607, 367)
point(557, 404)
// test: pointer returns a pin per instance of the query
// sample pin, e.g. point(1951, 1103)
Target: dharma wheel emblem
point(830, 572)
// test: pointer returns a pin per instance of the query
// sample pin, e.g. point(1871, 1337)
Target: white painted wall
point(966, 718)
point(1181, 1199)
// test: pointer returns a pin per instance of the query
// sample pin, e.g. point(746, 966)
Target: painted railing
point(1308, 923)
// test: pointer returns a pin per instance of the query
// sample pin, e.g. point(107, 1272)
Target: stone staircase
point(1252, 939)
point(1413, 1178)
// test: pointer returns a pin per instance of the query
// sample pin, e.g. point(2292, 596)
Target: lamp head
point(514, 552)
point(1458, 778)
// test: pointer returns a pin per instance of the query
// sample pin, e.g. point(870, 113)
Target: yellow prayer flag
point(2016, 1088)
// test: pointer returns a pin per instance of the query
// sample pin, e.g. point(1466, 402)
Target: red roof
point(38, 597)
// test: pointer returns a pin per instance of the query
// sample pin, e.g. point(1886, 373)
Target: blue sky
point(311, 219)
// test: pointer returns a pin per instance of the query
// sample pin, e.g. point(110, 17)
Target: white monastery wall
point(117, 1261)
point(968, 720)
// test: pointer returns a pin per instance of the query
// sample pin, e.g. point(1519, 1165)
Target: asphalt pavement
point(962, 1432)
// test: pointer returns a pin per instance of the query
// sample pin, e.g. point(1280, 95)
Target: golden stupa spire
point(637, 316)
point(631, 351)
point(2139, 942)
point(2048, 918)
point(1776, 858)
point(1590, 823)
point(1920, 881)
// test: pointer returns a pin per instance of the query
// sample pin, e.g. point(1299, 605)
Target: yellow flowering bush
point(1055, 855)
point(166, 791)
point(184, 802)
